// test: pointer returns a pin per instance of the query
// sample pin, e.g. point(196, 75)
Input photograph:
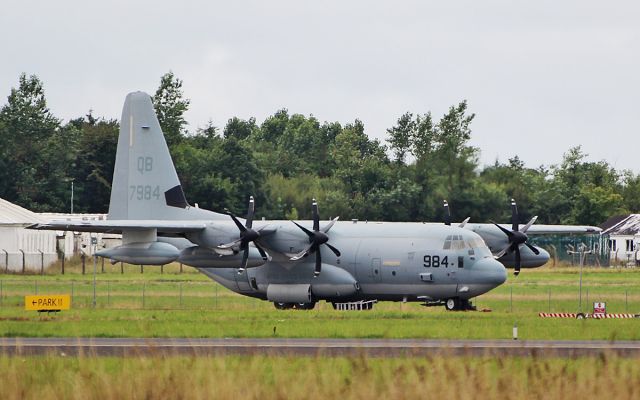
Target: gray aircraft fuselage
point(379, 261)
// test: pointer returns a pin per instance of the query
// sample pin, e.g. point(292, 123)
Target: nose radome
point(493, 271)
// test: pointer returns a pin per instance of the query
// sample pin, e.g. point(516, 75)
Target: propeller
point(247, 235)
point(516, 237)
point(317, 238)
point(447, 216)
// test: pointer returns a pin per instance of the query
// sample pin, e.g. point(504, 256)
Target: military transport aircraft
point(292, 264)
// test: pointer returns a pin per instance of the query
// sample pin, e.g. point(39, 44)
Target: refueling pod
point(149, 253)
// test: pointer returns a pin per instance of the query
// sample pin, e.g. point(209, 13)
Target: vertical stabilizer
point(145, 183)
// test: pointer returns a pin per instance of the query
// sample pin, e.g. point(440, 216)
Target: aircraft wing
point(117, 226)
point(561, 229)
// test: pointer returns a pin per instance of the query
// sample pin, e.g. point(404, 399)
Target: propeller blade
point(250, 212)
point(305, 230)
point(463, 223)
point(235, 220)
point(514, 215)
point(316, 216)
point(330, 225)
point(262, 252)
point(245, 258)
point(503, 251)
point(506, 231)
point(316, 272)
point(302, 254)
point(517, 266)
point(335, 251)
point(447, 214)
point(533, 248)
point(528, 225)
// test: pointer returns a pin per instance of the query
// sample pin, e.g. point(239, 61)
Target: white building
point(70, 243)
point(20, 248)
point(24, 249)
point(623, 232)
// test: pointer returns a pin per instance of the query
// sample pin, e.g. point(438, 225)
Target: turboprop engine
point(145, 253)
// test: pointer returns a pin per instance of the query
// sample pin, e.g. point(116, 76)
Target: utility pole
point(582, 253)
point(94, 243)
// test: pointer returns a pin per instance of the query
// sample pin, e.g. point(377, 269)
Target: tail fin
point(145, 183)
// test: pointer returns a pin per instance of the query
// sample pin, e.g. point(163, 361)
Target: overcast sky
point(541, 76)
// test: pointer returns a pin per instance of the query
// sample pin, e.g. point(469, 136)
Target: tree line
point(289, 158)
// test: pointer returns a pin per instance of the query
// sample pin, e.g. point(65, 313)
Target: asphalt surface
point(312, 347)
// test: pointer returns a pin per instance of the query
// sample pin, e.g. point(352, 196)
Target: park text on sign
point(52, 302)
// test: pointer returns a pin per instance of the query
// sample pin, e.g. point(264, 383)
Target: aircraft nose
point(493, 272)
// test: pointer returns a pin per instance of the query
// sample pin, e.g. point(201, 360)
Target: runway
point(312, 347)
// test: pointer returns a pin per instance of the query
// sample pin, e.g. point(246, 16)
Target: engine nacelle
point(528, 259)
point(202, 257)
point(151, 253)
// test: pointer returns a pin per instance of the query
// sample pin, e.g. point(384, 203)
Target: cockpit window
point(447, 243)
point(479, 247)
point(454, 242)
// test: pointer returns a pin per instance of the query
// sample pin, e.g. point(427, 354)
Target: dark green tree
point(34, 149)
point(170, 106)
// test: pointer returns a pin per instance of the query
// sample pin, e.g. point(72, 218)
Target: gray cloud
point(541, 76)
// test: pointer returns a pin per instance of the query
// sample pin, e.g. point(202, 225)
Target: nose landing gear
point(458, 304)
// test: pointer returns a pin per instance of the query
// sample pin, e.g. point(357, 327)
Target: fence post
point(83, 266)
point(102, 271)
point(41, 262)
point(141, 269)
point(180, 267)
point(6, 261)
point(511, 299)
point(63, 257)
point(587, 298)
point(23, 261)
point(121, 268)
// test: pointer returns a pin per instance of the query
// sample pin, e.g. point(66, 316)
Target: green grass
point(190, 305)
point(274, 377)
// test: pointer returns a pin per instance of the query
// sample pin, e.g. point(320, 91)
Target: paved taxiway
point(312, 347)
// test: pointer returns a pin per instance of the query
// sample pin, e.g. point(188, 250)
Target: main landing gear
point(457, 304)
point(297, 306)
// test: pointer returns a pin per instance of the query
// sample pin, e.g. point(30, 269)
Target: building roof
point(12, 214)
point(622, 225)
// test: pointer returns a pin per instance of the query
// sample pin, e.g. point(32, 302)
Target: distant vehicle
point(292, 264)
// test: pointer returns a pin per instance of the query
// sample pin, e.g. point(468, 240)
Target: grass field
point(268, 377)
point(188, 304)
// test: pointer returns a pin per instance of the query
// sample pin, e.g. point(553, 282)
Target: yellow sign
point(51, 302)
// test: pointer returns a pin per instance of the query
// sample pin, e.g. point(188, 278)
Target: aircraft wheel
point(306, 306)
point(282, 306)
point(580, 316)
point(452, 304)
